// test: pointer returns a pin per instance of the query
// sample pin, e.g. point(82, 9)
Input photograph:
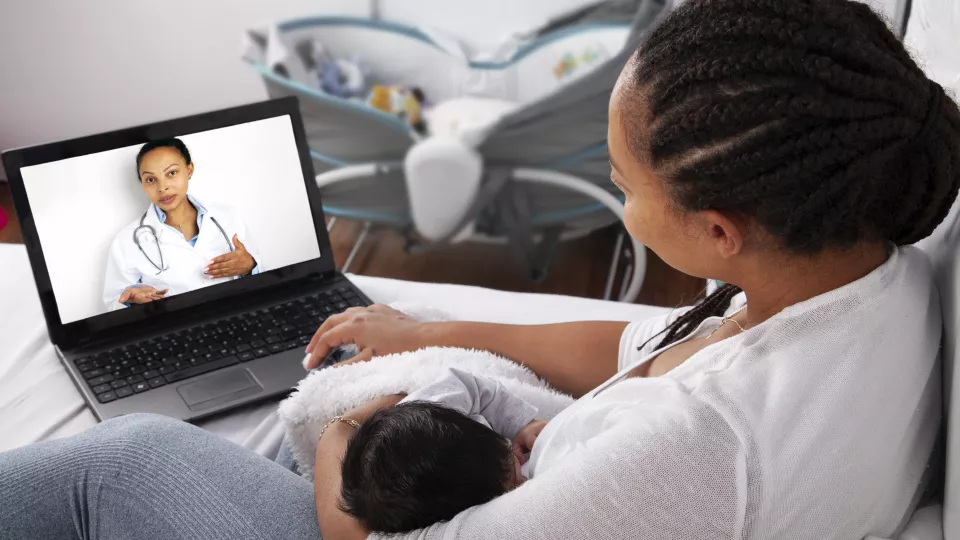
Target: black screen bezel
point(135, 319)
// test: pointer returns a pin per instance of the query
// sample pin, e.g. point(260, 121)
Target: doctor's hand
point(238, 262)
point(141, 295)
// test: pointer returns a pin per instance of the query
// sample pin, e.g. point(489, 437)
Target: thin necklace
point(729, 319)
point(180, 226)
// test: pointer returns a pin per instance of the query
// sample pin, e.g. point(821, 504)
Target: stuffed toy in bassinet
point(405, 130)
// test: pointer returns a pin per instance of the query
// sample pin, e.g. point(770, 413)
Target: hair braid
point(807, 116)
point(834, 43)
point(714, 305)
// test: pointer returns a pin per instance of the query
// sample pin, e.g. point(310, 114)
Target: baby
point(439, 451)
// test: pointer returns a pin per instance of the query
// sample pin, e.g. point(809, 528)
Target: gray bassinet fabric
point(572, 119)
point(563, 131)
point(344, 133)
point(609, 11)
point(544, 135)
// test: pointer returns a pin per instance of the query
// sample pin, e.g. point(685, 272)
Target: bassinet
point(533, 175)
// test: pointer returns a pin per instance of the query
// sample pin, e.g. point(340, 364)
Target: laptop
point(98, 216)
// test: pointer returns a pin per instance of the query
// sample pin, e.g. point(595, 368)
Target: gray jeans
point(149, 477)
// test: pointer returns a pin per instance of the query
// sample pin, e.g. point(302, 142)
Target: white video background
point(80, 204)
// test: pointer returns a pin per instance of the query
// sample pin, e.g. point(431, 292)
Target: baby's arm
point(476, 395)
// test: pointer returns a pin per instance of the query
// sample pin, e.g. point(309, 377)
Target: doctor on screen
point(178, 244)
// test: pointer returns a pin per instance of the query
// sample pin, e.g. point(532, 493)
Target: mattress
point(38, 400)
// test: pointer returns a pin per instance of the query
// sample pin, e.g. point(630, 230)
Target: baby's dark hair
point(174, 143)
point(807, 116)
point(418, 463)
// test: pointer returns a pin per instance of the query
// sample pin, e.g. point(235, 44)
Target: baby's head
point(418, 463)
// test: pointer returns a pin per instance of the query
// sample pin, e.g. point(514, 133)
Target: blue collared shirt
point(201, 212)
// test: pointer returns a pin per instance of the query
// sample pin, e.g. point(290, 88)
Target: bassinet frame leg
point(332, 223)
point(612, 273)
point(356, 247)
point(626, 272)
point(567, 181)
point(537, 176)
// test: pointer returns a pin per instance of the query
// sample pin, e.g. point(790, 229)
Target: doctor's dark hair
point(418, 463)
point(807, 116)
point(174, 143)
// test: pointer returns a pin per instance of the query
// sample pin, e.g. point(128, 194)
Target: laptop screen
point(146, 222)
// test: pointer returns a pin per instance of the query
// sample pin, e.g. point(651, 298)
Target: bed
point(39, 401)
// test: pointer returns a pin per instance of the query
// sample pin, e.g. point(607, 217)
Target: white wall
point(891, 9)
point(71, 68)
point(478, 23)
point(81, 203)
point(932, 36)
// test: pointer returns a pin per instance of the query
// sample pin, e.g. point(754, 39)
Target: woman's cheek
point(634, 221)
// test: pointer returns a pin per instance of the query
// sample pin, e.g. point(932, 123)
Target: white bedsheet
point(39, 401)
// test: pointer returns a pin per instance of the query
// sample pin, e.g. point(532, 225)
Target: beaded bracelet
point(335, 419)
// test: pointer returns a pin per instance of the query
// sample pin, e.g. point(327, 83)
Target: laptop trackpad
point(218, 389)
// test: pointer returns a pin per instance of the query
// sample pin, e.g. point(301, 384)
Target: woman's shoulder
point(901, 286)
point(912, 270)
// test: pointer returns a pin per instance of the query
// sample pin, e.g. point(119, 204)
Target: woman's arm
point(573, 357)
point(335, 524)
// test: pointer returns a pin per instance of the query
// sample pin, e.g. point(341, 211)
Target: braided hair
point(808, 116)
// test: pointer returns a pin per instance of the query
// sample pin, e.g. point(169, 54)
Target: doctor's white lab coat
point(183, 264)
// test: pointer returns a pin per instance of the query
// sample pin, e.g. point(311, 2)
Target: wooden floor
point(580, 268)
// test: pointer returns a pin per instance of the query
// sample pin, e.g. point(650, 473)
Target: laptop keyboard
point(140, 367)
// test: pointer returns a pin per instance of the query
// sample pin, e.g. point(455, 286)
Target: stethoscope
point(160, 268)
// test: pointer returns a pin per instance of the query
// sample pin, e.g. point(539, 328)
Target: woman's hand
point(374, 330)
point(238, 262)
point(141, 294)
point(526, 437)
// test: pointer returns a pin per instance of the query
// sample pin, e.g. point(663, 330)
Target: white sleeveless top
point(817, 423)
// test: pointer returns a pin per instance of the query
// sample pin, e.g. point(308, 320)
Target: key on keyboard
point(140, 367)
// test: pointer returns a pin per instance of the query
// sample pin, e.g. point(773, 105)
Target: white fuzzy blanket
point(330, 392)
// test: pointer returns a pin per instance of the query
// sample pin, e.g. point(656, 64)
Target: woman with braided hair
point(789, 148)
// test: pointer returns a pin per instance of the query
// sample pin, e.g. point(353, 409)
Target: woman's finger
point(362, 356)
point(329, 323)
point(335, 337)
point(223, 270)
point(325, 340)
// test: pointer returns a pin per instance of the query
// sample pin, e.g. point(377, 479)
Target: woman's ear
point(190, 171)
point(725, 233)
